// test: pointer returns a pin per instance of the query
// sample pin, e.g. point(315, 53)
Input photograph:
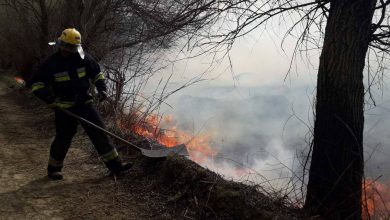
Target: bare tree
point(345, 30)
point(122, 34)
point(338, 131)
point(106, 25)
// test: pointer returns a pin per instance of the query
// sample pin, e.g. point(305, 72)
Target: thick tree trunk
point(335, 177)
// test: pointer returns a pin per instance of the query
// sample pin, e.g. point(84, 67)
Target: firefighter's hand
point(56, 105)
point(102, 96)
point(53, 105)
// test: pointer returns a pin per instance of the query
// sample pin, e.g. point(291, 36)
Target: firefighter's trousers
point(66, 128)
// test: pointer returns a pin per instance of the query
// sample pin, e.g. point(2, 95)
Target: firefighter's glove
point(102, 96)
point(57, 105)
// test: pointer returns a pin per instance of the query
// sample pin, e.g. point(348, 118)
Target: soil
point(87, 192)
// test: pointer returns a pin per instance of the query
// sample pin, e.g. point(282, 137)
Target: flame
point(19, 80)
point(198, 146)
point(150, 128)
point(376, 200)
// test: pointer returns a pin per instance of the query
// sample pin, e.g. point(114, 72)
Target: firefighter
point(64, 81)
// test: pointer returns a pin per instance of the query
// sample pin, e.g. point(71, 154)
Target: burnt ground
point(174, 188)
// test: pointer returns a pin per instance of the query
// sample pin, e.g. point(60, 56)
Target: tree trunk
point(44, 26)
point(336, 172)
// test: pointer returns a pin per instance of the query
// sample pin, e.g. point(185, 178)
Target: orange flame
point(19, 80)
point(376, 200)
point(198, 146)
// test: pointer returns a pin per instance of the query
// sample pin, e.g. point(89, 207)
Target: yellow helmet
point(71, 36)
point(70, 40)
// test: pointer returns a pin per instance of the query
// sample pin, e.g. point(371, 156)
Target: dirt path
point(26, 193)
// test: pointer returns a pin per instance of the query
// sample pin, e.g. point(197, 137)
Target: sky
point(260, 118)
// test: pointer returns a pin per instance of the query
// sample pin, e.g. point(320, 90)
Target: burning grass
point(376, 200)
point(192, 191)
point(150, 127)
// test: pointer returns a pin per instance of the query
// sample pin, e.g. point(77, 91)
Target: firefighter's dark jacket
point(67, 80)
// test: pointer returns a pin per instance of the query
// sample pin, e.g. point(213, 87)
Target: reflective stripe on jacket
point(67, 79)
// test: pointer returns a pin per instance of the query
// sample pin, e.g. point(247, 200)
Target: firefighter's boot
point(116, 166)
point(55, 175)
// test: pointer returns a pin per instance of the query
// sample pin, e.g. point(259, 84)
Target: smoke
point(256, 130)
point(377, 140)
point(260, 131)
point(260, 120)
